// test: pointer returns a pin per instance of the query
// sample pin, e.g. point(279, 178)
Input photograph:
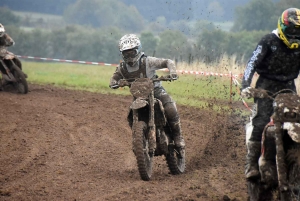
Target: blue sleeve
point(255, 60)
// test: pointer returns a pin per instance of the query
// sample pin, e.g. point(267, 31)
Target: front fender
point(293, 130)
point(138, 103)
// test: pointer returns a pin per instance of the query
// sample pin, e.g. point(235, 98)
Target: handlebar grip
point(114, 86)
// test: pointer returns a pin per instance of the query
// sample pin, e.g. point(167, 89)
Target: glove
point(174, 76)
point(246, 93)
point(123, 83)
point(113, 84)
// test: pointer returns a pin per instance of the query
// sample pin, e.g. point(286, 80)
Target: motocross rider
point(5, 41)
point(136, 64)
point(277, 61)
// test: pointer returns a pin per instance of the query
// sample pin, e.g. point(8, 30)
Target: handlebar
point(128, 82)
point(262, 93)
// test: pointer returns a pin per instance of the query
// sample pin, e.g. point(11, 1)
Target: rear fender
point(293, 130)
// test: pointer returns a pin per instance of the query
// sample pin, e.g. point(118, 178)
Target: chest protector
point(140, 73)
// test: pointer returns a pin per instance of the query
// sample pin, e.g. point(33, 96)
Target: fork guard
point(139, 103)
point(293, 130)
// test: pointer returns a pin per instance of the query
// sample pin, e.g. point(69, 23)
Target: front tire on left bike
point(141, 150)
point(21, 85)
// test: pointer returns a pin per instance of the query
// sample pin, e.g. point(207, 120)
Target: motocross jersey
point(146, 67)
point(272, 60)
point(5, 41)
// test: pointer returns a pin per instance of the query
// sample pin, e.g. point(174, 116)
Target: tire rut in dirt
point(140, 144)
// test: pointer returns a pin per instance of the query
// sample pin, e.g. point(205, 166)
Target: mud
point(59, 144)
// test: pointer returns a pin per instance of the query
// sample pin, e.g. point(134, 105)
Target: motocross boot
point(177, 134)
point(251, 170)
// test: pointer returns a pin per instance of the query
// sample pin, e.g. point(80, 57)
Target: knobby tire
point(141, 150)
point(21, 80)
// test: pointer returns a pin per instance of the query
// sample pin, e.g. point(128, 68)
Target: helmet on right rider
point(289, 27)
point(2, 30)
point(131, 48)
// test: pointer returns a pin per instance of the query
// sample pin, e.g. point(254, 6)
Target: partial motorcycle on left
point(12, 74)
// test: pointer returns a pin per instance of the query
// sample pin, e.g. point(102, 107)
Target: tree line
point(183, 40)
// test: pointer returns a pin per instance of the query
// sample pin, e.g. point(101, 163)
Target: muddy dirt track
point(59, 144)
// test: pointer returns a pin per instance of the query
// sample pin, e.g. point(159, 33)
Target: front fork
point(8, 76)
point(152, 127)
point(151, 124)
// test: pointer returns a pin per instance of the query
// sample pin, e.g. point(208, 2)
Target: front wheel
point(175, 161)
point(293, 159)
point(257, 192)
point(141, 150)
point(21, 84)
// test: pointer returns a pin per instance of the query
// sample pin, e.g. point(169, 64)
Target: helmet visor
point(292, 32)
point(130, 53)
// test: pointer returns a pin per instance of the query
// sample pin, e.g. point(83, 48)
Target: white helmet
point(130, 47)
point(2, 30)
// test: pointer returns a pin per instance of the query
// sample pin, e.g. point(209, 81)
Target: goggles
point(129, 53)
point(292, 32)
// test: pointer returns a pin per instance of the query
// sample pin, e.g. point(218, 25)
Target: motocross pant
point(261, 113)
point(171, 115)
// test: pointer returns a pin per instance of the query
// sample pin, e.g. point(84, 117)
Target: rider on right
point(277, 61)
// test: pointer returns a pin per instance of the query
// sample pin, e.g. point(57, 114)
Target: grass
point(191, 90)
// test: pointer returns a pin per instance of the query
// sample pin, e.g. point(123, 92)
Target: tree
point(200, 26)
point(158, 26)
point(256, 15)
point(149, 43)
point(29, 43)
point(45, 6)
point(243, 43)
point(7, 17)
point(181, 25)
point(285, 4)
point(211, 44)
point(173, 45)
point(104, 13)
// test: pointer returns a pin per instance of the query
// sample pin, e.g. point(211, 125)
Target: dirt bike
point(279, 163)
point(11, 71)
point(151, 134)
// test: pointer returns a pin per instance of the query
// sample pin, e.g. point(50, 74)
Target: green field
point(192, 90)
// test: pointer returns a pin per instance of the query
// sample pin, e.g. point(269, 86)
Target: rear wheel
point(175, 161)
point(21, 84)
point(141, 150)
